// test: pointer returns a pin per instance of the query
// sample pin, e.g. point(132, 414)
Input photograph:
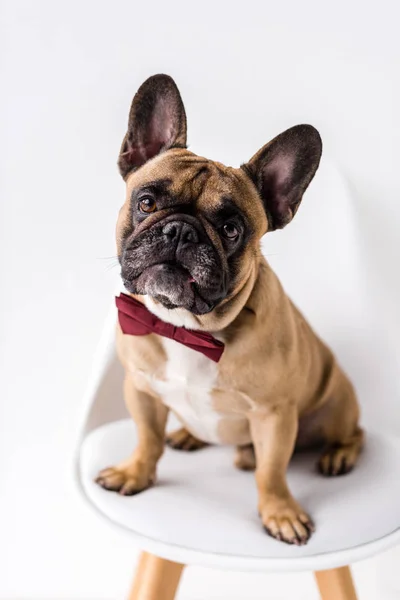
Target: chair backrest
point(323, 259)
point(326, 261)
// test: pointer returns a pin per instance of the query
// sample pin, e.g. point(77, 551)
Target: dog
point(188, 240)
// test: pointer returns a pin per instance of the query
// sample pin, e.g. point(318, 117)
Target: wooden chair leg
point(336, 584)
point(155, 579)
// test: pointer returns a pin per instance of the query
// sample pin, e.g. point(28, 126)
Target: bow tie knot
point(135, 319)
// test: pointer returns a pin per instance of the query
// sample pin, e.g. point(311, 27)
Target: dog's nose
point(181, 233)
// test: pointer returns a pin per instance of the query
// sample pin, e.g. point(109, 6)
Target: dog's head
point(188, 234)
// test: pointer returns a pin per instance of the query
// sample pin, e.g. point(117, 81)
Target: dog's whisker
point(112, 266)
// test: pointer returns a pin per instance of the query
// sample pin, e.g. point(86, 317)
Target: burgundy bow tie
point(135, 319)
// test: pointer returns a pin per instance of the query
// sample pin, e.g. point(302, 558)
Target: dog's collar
point(135, 319)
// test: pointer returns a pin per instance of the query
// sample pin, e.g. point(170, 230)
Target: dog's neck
point(177, 316)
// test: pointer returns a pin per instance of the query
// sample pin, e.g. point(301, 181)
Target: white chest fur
point(189, 378)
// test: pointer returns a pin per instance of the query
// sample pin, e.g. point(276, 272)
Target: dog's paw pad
point(182, 439)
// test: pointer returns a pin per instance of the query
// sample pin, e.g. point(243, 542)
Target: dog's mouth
point(173, 286)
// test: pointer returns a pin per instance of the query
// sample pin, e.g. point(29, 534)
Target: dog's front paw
point(286, 521)
point(127, 481)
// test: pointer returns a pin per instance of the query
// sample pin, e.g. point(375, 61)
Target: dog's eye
point(147, 204)
point(230, 231)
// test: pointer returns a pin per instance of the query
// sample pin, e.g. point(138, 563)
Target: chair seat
point(204, 511)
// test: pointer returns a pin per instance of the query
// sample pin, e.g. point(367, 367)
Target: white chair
point(202, 510)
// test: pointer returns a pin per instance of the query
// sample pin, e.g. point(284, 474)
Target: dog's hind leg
point(182, 439)
point(245, 458)
point(341, 432)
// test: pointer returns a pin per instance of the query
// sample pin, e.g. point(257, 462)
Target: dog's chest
point(187, 389)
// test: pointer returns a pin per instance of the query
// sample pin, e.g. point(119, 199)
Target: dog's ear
point(157, 122)
point(282, 171)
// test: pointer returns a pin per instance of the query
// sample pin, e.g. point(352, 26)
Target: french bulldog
point(188, 240)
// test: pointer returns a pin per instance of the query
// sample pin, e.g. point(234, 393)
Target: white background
point(246, 70)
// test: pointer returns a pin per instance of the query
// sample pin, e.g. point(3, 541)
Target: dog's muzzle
point(174, 262)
